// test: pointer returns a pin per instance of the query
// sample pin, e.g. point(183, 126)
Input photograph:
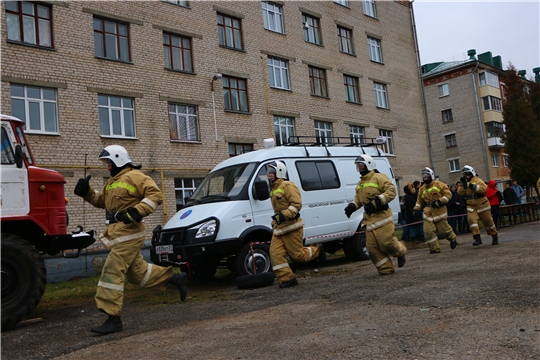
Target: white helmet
point(280, 169)
point(367, 161)
point(429, 172)
point(468, 169)
point(117, 154)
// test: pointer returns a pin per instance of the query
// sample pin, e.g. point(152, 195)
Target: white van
point(231, 208)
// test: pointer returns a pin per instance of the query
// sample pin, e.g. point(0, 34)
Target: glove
point(134, 213)
point(83, 186)
point(279, 218)
point(417, 214)
point(472, 186)
point(436, 204)
point(463, 181)
point(123, 216)
point(350, 209)
point(373, 204)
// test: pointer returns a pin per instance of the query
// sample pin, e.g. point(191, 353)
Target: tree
point(522, 128)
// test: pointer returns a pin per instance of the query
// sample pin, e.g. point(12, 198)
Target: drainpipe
point(424, 107)
point(481, 123)
point(214, 78)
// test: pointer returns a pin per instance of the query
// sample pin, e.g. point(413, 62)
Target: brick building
point(184, 85)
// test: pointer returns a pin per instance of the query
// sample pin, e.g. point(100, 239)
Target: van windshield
point(224, 185)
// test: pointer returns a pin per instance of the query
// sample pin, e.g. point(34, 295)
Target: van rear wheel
point(355, 247)
point(260, 258)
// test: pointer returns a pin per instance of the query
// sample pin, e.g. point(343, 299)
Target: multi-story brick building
point(184, 85)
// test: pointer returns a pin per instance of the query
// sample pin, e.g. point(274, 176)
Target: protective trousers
point(484, 215)
point(431, 231)
point(125, 259)
point(290, 244)
point(381, 244)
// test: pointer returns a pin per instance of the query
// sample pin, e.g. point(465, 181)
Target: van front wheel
point(355, 246)
point(248, 263)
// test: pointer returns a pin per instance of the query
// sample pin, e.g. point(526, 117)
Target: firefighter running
point(374, 192)
point(432, 198)
point(129, 195)
point(288, 227)
point(473, 189)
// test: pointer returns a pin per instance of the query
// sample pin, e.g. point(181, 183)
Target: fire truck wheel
point(255, 280)
point(23, 279)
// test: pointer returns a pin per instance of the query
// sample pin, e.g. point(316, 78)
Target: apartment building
point(183, 85)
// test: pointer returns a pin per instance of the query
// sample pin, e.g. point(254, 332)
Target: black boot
point(453, 244)
point(111, 325)
point(477, 240)
point(289, 283)
point(495, 240)
point(322, 255)
point(179, 280)
point(401, 261)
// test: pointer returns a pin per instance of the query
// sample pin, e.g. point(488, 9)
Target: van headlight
point(206, 229)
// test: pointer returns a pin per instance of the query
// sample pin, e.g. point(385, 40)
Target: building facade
point(184, 85)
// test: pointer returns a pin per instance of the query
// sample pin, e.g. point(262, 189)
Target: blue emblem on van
point(185, 215)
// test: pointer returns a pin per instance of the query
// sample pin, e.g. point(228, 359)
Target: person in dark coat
point(410, 232)
point(453, 207)
point(462, 223)
point(509, 195)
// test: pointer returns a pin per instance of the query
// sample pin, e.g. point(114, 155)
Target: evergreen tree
point(522, 122)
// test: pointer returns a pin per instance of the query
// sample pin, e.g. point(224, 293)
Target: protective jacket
point(428, 194)
point(285, 198)
point(476, 197)
point(129, 188)
point(370, 186)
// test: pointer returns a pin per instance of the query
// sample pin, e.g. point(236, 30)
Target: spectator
point(410, 232)
point(518, 190)
point(494, 197)
point(453, 207)
point(462, 222)
point(509, 195)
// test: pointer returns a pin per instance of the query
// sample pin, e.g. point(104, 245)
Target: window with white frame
point(323, 132)
point(345, 40)
point(488, 78)
point(342, 2)
point(505, 161)
point(450, 140)
point(443, 90)
point(278, 72)
point(388, 146)
point(272, 16)
point(495, 160)
point(492, 103)
point(29, 22)
point(183, 122)
point(381, 99)
point(356, 134)
point(369, 8)
point(177, 2)
point(36, 106)
point(183, 189)
point(116, 116)
point(453, 165)
point(312, 29)
point(375, 53)
point(283, 129)
point(352, 91)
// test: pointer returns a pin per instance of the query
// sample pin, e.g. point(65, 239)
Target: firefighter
point(129, 195)
point(288, 227)
point(473, 189)
point(432, 198)
point(374, 192)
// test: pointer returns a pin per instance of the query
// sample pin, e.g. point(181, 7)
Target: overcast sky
point(448, 29)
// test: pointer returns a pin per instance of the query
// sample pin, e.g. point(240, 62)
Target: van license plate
point(164, 249)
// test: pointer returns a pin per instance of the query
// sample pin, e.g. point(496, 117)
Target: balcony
point(495, 142)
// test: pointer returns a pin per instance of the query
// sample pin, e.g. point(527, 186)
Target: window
point(453, 164)
point(29, 23)
point(184, 188)
point(495, 160)
point(283, 129)
point(229, 31)
point(492, 103)
point(312, 29)
point(177, 51)
point(357, 134)
point(317, 82)
point(278, 72)
point(111, 40)
point(272, 16)
point(8, 155)
point(388, 147)
point(36, 107)
point(342, 2)
point(345, 40)
point(488, 78)
point(450, 140)
point(317, 175)
point(235, 93)
point(374, 49)
point(505, 160)
point(369, 8)
point(352, 93)
point(494, 129)
point(183, 122)
point(177, 2)
point(323, 132)
point(447, 115)
point(443, 90)
point(237, 149)
point(381, 100)
point(116, 116)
